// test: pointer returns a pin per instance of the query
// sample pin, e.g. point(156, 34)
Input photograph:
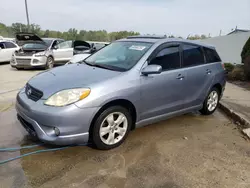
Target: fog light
point(35, 61)
point(57, 132)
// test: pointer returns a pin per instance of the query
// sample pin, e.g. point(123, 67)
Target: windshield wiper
point(87, 63)
point(104, 66)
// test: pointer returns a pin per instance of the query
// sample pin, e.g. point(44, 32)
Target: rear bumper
point(28, 61)
point(40, 121)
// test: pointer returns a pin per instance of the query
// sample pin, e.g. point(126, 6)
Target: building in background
point(230, 46)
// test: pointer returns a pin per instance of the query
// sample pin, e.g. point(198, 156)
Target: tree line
point(72, 33)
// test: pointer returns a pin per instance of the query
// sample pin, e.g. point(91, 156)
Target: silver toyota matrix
point(128, 84)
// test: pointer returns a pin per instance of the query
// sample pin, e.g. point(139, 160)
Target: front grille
point(33, 93)
point(25, 54)
point(23, 61)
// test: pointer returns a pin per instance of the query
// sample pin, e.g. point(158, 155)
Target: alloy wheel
point(212, 101)
point(113, 128)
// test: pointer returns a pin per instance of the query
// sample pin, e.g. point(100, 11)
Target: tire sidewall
point(47, 65)
point(205, 102)
point(96, 128)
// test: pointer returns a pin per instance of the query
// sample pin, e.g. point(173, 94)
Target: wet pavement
point(184, 152)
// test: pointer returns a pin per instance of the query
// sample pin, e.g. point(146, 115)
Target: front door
point(163, 93)
point(64, 51)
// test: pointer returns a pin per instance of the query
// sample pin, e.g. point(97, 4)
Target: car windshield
point(34, 46)
point(48, 41)
point(120, 56)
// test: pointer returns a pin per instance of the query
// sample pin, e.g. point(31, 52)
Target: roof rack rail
point(147, 37)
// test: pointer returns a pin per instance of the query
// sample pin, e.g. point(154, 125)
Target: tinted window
point(192, 55)
point(2, 46)
point(211, 55)
point(168, 58)
point(9, 45)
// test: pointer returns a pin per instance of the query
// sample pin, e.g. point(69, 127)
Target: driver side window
point(168, 58)
point(64, 45)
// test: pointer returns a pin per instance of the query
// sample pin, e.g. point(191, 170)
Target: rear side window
point(9, 45)
point(168, 58)
point(211, 55)
point(192, 55)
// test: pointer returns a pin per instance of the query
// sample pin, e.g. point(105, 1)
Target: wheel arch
point(116, 102)
point(219, 87)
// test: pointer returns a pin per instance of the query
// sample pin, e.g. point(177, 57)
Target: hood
point(81, 43)
point(24, 38)
point(69, 76)
point(79, 57)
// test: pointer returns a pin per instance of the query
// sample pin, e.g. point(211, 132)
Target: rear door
point(3, 56)
point(64, 51)
point(163, 93)
point(9, 50)
point(199, 76)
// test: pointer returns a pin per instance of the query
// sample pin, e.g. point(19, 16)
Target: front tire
point(111, 127)
point(49, 63)
point(211, 102)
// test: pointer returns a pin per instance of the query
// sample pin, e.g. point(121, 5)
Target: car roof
point(162, 39)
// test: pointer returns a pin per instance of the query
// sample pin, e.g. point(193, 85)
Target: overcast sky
point(177, 17)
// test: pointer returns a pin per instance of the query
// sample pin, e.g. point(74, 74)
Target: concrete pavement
point(236, 103)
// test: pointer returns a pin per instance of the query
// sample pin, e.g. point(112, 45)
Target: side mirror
point(93, 50)
point(151, 69)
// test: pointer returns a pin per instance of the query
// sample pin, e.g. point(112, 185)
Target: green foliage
point(245, 57)
point(197, 37)
point(247, 67)
point(229, 67)
point(237, 74)
point(245, 51)
point(71, 34)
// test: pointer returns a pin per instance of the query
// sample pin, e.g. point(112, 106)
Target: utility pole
point(27, 15)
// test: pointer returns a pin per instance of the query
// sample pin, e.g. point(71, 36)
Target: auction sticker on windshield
point(134, 47)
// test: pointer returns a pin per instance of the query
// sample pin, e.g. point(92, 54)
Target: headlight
point(66, 97)
point(39, 54)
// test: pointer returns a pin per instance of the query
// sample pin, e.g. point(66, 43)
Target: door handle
point(180, 77)
point(208, 71)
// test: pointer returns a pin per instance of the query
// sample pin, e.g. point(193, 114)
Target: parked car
point(128, 84)
point(7, 48)
point(63, 52)
point(81, 52)
point(34, 51)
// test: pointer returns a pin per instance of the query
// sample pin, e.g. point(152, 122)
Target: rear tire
point(211, 102)
point(111, 127)
point(49, 63)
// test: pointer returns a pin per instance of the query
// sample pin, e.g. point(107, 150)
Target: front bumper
point(40, 121)
point(28, 61)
